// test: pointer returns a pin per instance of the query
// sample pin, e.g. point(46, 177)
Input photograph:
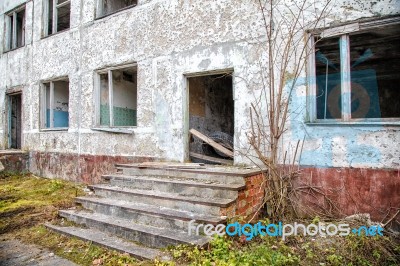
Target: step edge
point(245, 173)
point(136, 255)
point(181, 198)
point(179, 240)
point(164, 215)
point(229, 187)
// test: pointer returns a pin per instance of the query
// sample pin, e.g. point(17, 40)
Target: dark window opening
point(108, 7)
point(21, 28)
point(16, 29)
point(374, 63)
point(58, 16)
point(118, 98)
point(375, 73)
point(328, 94)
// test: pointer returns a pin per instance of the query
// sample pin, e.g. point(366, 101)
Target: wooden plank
point(211, 142)
point(210, 159)
point(337, 31)
point(171, 165)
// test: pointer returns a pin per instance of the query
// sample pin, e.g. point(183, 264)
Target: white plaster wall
point(8, 5)
point(169, 39)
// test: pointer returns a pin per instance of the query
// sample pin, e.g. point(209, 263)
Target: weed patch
point(27, 201)
point(296, 250)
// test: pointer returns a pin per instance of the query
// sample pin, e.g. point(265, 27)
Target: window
point(55, 102)
point(107, 7)
point(357, 74)
point(117, 97)
point(15, 28)
point(56, 16)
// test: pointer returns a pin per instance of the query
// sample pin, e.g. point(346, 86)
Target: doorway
point(15, 121)
point(211, 113)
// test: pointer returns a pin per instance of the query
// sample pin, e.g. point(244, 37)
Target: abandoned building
point(88, 88)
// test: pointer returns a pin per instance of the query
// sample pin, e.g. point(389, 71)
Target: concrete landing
point(14, 161)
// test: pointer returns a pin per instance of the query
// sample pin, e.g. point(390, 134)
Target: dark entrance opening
point(15, 121)
point(211, 112)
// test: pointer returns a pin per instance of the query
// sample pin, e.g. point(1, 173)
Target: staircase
point(140, 210)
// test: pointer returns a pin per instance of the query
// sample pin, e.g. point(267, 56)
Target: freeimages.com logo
point(282, 230)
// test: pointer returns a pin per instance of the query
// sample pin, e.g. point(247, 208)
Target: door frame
point(186, 102)
point(9, 119)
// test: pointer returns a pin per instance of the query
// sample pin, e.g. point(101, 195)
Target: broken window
point(327, 61)
point(118, 94)
point(107, 7)
point(15, 26)
point(357, 75)
point(57, 16)
point(55, 104)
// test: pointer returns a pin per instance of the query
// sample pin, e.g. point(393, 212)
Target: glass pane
point(327, 67)
point(61, 103)
point(124, 97)
point(63, 17)
point(21, 28)
point(115, 5)
point(47, 104)
point(50, 18)
point(375, 69)
point(11, 32)
point(104, 101)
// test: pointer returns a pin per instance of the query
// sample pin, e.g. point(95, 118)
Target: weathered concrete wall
point(352, 190)
point(335, 144)
point(169, 39)
point(12, 161)
point(82, 168)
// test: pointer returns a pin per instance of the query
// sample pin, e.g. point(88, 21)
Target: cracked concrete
point(169, 40)
point(14, 252)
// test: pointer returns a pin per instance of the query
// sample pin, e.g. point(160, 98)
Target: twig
point(391, 219)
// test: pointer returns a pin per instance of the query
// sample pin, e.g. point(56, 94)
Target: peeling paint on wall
point(167, 40)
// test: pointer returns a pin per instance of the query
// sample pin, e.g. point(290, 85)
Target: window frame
point(97, 100)
point(46, 17)
point(100, 11)
point(343, 33)
point(42, 105)
point(11, 34)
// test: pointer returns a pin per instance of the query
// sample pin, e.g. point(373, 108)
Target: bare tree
point(287, 45)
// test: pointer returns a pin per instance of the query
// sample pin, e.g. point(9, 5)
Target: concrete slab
point(14, 252)
point(147, 235)
point(111, 242)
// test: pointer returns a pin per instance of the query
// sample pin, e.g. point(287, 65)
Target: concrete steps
point(170, 200)
point(153, 207)
point(181, 186)
point(147, 214)
point(150, 236)
point(112, 242)
point(214, 174)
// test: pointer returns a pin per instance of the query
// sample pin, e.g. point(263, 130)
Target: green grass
point(26, 202)
point(351, 250)
point(76, 250)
